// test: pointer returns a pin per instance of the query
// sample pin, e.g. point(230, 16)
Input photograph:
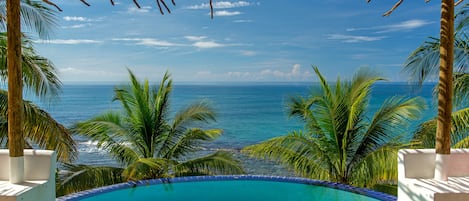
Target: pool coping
point(361, 191)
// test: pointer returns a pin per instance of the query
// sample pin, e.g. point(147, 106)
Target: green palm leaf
point(73, 178)
point(35, 17)
point(41, 129)
point(110, 134)
point(220, 162)
point(39, 74)
point(148, 168)
point(307, 156)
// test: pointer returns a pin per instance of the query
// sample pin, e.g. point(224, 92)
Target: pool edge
point(361, 191)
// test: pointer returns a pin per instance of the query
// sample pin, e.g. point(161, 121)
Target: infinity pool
point(229, 188)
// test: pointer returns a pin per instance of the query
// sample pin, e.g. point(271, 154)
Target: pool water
point(234, 189)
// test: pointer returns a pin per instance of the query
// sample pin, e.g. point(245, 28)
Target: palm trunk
point(445, 89)
point(15, 92)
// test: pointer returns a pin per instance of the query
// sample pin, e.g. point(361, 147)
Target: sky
point(246, 41)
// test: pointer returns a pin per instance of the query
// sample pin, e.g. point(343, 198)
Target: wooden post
point(445, 90)
point(15, 92)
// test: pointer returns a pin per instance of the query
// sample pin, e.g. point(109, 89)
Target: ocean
point(247, 112)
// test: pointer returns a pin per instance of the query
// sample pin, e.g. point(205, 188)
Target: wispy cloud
point(144, 9)
point(68, 41)
point(223, 5)
point(294, 73)
point(149, 42)
point(207, 44)
point(353, 38)
point(403, 26)
point(76, 18)
point(202, 42)
point(223, 13)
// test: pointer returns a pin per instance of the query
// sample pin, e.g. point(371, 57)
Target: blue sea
point(247, 112)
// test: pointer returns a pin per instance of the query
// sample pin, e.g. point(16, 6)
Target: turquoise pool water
point(233, 188)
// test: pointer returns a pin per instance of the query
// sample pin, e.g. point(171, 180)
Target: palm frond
point(461, 90)
point(189, 142)
point(424, 62)
point(74, 178)
point(42, 129)
point(424, 136)
point(377, 168)
point(35, 17)
point(181, 137)
point(39, 73)
point(460, 130)
point(148, 168)
point(108, 130)
point(299, 153)
point(462, 17)
point(389, 122)
point(302, 108)
point(220, 162)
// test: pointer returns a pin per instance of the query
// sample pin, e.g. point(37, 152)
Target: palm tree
point(339, 141)
point(445, 84)
point(147, 142)
point(423, 64)
point(40, 77)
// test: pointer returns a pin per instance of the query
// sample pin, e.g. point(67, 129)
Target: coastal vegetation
point(340, 142)
point(147, 141)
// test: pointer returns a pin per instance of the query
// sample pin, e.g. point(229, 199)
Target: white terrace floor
point(416, 176)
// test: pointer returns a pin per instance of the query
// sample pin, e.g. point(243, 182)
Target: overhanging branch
point(398, 3)
point(160, 3)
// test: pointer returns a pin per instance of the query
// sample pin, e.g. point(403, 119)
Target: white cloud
point(403, 26)
point(76, 18)
point(149, 42)
point(195, 38)
point(223, 13)
point(69, 41)
point(352, 38)
point(293, 74)
point(207, 44)
point(133, 9)
point(223, 5)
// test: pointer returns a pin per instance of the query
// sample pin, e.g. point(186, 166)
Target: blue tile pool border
point(352, 189)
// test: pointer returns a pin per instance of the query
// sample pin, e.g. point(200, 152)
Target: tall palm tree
point(339, 141)
point(40, 77)
point(445, 84)
point(147, 142)
point(423, 64)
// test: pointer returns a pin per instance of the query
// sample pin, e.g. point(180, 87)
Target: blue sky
point(249, 40)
